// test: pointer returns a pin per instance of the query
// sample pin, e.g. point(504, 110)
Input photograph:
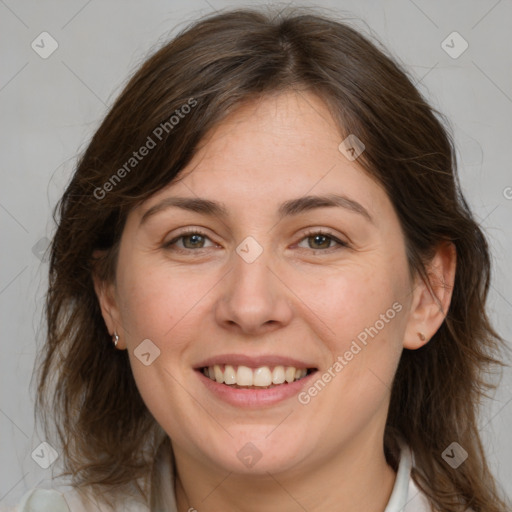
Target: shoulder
point(416, 500)
point(74, 500)
point(42, 500)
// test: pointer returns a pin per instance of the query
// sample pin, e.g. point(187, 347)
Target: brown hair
point(214, 66)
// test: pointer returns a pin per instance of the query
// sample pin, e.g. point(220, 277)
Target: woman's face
point(273, 279)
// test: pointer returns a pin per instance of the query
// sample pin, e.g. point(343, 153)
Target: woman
point(267, 291)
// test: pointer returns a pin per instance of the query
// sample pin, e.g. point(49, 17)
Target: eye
point(321, 240)
point(190, 240)
point(195, 239)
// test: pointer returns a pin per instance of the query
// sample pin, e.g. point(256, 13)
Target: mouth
point(254, 380)
point(262, 377)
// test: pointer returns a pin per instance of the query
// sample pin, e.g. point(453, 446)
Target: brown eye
point(196, 240)
point(321, 241)
point(190, 240)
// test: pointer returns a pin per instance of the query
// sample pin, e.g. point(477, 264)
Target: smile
point(262, 377)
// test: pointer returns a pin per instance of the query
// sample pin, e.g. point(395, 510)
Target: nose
point(253, 299)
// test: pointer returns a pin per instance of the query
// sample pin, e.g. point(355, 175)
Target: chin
point(256, 455)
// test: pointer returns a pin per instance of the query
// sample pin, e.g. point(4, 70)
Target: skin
point(302, 297)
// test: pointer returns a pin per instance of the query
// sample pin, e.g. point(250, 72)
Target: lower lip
point(252, 398)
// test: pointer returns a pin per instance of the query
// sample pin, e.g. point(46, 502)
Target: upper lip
point(254, 361)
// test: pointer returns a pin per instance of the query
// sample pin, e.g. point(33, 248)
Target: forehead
point(270, 150)
point(289, 123)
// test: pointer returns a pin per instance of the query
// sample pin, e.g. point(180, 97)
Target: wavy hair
point(213, 66)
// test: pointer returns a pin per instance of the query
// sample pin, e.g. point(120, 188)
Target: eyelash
point(308, 234)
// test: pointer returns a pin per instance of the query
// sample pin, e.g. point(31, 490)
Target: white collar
point(406, 497)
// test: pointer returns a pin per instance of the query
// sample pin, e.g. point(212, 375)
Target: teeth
point(278, 376)
point(289, 374)
point(244, 377)
point(262, 376)
point(259, 377)
point(229, 375)
point(218, 374)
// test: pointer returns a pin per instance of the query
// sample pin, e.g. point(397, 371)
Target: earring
point(115, 338)
point(422, 336)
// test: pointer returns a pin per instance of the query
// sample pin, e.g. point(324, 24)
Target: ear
point(105, 292)
point(430, 303)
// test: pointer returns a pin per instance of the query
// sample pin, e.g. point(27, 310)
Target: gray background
point(50, 107)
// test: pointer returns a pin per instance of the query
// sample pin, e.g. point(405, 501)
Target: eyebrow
point(288, 208)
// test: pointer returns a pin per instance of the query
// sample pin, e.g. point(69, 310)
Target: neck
point(340, 482)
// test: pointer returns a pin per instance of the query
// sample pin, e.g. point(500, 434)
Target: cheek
point(158, 305)
point(156, 299)
point(364, 350)
point(365, 315)
point(354, 299)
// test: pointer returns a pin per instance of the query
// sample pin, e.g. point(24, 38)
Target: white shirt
point(405, 497)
